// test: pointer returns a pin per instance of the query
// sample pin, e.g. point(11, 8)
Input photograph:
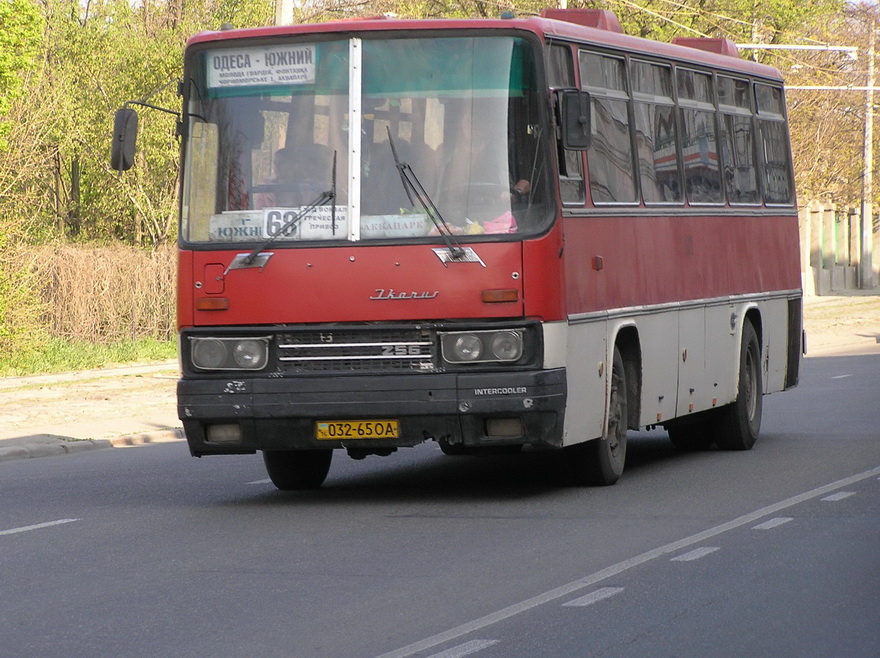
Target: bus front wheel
point(600, 462)
point(294, 470)
point(740, 423)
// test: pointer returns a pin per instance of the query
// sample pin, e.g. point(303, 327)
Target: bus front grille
point(350, 350)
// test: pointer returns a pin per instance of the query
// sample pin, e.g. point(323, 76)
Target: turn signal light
point(500, 296)
point(212, 304)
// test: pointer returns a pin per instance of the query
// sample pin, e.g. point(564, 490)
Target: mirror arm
point(153, 107)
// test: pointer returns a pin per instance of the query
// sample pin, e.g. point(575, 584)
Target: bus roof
point(697, 51)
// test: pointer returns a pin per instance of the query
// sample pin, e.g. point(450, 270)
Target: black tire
point(600, 462)
point(740, 422)
point(296, 470)
point(694, 436)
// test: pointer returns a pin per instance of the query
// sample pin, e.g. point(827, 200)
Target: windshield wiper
point(321, 200)
point(413, 186)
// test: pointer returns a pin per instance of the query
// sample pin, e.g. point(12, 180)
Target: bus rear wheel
point(740, 422)
point(600, 462)
point(296, 470)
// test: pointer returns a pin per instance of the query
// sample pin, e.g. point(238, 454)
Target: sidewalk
point(46, 415)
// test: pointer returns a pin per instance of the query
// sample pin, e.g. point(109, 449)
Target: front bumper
point(280, 413)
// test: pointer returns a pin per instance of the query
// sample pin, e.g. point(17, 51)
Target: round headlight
point(250, 354)
point(467, 347)
point(507, 345)
point(208, 353)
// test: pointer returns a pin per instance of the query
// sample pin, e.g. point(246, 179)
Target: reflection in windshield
point(462, 112)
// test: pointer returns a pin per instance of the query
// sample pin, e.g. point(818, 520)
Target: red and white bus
point(487, 233)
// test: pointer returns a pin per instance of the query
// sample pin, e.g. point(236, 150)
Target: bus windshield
point(271, 128)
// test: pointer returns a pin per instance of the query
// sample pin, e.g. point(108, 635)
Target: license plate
point(334, 430)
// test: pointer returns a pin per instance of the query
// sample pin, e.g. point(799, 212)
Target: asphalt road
point(147, 551)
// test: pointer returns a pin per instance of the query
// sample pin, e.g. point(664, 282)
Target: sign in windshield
point(247, 67)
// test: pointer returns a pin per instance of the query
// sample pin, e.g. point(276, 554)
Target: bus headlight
point(467, 347)
point(208, 353)
point(250, 354)
point(229, 353)
point(504, 346)
point(507, 345)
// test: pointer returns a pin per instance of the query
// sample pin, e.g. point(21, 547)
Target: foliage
point(67, 65)
point(61, 355)
point(20, 307)
point(105, 294)
point(20, 36)
point(56, 181)
point(94, 55)
point(742, 21)
point(828, 126)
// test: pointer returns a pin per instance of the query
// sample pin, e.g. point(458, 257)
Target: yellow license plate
point(335, 430)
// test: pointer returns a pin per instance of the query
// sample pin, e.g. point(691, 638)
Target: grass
point(59, 355)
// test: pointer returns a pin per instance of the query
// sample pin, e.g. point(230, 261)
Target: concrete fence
point(834, 255)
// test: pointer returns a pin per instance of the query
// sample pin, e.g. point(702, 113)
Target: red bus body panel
point(628, 261)
point(357, 283)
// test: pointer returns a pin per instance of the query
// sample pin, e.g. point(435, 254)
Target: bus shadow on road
point(425, 473)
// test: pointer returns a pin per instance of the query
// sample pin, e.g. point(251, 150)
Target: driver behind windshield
point(298, 177)
point(477, 187)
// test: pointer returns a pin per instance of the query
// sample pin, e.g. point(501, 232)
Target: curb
point(54, 446)
point(146, 438)
point(25, 381)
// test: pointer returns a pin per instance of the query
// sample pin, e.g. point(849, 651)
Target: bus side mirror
point(125, 124)
point(575, 110)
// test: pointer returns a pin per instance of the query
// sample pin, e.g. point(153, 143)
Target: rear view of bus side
point(680, 225)
point(492, 234)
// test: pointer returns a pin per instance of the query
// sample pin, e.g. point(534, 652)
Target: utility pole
point(866, 265)
point(283, 12)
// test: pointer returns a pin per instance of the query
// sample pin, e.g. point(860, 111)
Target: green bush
point(60, 355)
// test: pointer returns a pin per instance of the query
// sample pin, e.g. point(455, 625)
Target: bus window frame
point(576, 158)
point(662, 101)
point(731, 110)
point(615, 95)
point(715, 107)
point(709, 105)
point(543, 105)
point(764, 117)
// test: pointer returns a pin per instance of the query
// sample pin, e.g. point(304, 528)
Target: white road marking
point(696, 554)
point(841, 376)
point(772, 523)
point(38, 526)
point(840, 495)
point(266, 481)
point(465, 649)
point(620, 567)
point(594, 597)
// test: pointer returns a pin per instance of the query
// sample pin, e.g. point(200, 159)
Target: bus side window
point(656, 135)
point(699, 137)
point(775, 151)
point(738, 141)
point(610, 156)
point(560, 75)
